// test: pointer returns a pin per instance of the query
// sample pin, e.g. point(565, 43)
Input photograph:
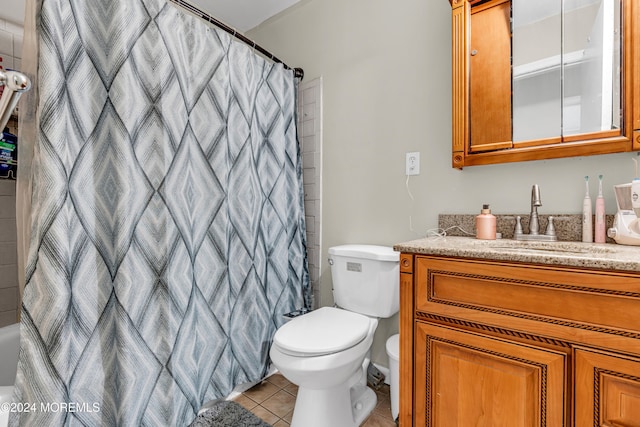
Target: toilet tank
point(366, 279)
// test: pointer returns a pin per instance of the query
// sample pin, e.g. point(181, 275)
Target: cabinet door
point(636, 78)
point(607, 390)
point(490, 79)
point(467, 379)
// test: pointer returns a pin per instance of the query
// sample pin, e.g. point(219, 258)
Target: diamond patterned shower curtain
point(167, 223)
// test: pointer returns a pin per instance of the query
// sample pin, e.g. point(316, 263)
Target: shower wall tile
point(310, 212)
point(8, 253)
point(310, 138)
point(11, 40)
point(311, 224)
point(17, 46)
point(309, 161)
point(8, 228)
point(309, 144)
point(308, 128)
point(6, 43)
point(8, 318)
point(310, 191)
point(309, 96)
point(8, 188)
point(8, 62)
point(8, 299)
point(309, 176)
point(13, 28)
point(8, 276)
point(7, 206)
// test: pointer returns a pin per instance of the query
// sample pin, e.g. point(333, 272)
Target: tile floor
point(274, 398)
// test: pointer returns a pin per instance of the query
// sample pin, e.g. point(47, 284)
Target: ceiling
point(242, 15)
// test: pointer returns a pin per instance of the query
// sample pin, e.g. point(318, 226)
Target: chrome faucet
point(534, 224)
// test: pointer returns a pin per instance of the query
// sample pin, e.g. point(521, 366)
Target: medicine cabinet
point(544, 79)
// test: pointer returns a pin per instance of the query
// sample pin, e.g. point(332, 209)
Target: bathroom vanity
point(506, 333)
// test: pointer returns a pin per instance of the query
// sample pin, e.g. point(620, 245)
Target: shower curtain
point(166, 223)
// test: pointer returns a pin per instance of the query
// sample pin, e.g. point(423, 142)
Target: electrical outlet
point(413, 163)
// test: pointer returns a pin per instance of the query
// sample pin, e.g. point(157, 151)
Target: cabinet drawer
point(601, 302)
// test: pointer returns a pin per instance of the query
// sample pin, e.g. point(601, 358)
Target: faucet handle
point(551, 230)
point(518, 229)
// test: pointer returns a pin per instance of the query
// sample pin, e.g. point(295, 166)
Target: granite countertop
point(603, 256)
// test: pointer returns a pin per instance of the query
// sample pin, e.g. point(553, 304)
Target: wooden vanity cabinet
point(489, 343)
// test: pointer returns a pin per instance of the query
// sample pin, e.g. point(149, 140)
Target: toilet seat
point(323, 331)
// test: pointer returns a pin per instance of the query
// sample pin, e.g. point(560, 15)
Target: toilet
point(326, 352)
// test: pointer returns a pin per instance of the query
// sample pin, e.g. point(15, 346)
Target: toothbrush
point(635, 191)
point(600, 212)
point(587, 221)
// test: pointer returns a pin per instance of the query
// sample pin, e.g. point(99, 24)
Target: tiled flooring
point(274, 398)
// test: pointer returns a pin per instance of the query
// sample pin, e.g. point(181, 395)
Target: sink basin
point(560, 248)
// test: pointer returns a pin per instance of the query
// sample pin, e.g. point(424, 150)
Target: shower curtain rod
point(297, 72)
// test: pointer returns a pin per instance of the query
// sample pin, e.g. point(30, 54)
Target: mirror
point(540, 79)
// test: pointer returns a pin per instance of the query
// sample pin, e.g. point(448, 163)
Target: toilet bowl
point(326, 352)
point(328, 370)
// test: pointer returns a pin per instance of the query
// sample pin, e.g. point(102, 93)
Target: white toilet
point(326, 352)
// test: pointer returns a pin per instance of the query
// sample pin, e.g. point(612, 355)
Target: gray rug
point(228, 414)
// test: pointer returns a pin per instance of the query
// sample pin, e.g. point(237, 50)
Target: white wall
point(386, 69)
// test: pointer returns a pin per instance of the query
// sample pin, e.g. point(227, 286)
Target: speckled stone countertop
point(604, 256)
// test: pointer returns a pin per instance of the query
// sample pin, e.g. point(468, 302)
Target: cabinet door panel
point(607, 390)
point(490, 78)
point(466, 379)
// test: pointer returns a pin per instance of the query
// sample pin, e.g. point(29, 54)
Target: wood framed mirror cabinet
point(544, 79)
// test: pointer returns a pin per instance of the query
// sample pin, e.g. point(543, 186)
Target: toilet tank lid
point(380, 253)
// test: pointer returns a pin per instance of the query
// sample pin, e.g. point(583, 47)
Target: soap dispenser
point(486, 224)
